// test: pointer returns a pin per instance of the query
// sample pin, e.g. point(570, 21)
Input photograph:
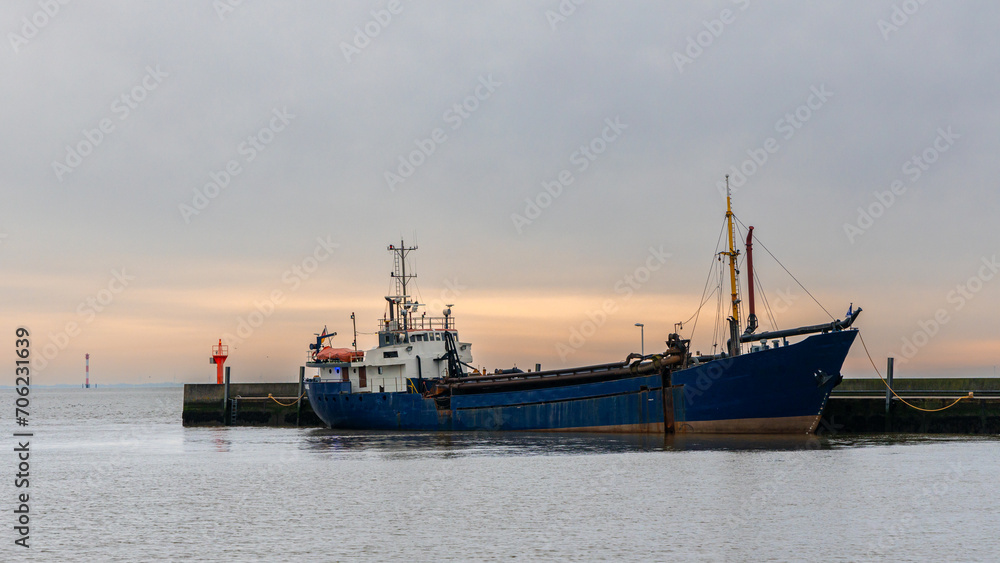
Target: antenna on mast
point(401, 300)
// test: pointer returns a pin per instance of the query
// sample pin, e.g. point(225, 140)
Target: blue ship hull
point(779, 390)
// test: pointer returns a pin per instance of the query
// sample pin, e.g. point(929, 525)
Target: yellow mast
point(733, 253)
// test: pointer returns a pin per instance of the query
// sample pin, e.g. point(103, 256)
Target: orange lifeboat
point(328, 354)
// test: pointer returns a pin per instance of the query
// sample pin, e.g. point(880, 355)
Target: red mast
point(752, 317)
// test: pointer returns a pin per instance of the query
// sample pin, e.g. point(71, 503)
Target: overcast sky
point(174, 170)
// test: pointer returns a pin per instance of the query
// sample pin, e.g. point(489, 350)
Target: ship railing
point(310, 359)
point(417, 323)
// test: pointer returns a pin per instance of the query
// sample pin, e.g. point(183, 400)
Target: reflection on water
point(220, 439)
point(480, 443)
point(463, 444)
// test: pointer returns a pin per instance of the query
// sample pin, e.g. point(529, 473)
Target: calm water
point(115, 477)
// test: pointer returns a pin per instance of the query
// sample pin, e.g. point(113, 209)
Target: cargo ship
point(420, 377)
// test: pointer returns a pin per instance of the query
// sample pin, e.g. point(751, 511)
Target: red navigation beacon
point(219, 355)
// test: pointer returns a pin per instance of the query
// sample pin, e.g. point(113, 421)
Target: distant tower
point(219, 355)
point(87, 384)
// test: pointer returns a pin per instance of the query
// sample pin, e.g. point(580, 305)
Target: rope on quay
point(270, 396)
point(969, 396)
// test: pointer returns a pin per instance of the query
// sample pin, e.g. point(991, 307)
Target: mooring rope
point(270, 396)
point(969, 396)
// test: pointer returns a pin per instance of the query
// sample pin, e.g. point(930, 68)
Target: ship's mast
point(734, 321)
point(399, 302)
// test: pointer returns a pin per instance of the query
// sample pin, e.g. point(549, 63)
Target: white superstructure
point(411, 346)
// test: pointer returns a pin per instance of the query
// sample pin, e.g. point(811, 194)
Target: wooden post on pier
point(225, 400)
point(302, 378)
point(888, 394)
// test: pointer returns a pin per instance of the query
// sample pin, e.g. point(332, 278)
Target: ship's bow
point(781, 390)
